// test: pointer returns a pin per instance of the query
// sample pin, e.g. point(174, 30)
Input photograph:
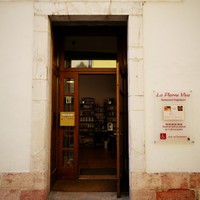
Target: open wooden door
point(121, 129)
point(68, 129)
point(118, 130)
point(55, 112)
point(54, 128)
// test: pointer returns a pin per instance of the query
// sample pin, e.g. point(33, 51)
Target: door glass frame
point(83, 71)
point(96, 71)
point(68, 163)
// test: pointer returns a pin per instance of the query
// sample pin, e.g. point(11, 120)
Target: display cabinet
point(110, 113)
point(86, 121)
point(100, 124)
point(96, 123)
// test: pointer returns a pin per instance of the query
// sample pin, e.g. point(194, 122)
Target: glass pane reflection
point(68, 85)
point(90, 63)
point(68, 140)
point(68, 158)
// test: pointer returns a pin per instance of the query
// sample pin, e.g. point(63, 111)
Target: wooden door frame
point(96, 71)
point(120, 58)
point(71, 173)
point(75, 73)
point(118, 131)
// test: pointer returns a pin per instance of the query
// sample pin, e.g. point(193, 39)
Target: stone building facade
point(163, 54)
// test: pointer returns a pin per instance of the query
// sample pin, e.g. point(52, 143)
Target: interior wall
point(91, 44)
point(171, 63)
point(99, 87)
point(16, 57)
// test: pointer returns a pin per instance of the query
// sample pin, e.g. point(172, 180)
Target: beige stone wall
point(165, 186)
point(35, 183)
point(41, 95)
point(21, 186)
point(135, 65)
point(154, 186)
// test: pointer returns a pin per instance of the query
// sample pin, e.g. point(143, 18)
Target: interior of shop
point(97, 125)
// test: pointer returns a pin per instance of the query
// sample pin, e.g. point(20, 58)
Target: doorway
point(93, 144)
point(97, 126)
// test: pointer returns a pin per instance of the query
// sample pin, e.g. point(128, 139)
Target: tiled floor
point(86, 196)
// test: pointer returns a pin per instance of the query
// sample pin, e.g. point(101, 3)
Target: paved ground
point(86, 196)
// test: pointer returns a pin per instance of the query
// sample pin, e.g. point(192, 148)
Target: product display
point(96, 122)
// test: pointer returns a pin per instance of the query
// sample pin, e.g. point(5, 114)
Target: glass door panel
point(68, 148)
point(68, 139)
point(69, 85)
point(69, 103)
point(68, 158)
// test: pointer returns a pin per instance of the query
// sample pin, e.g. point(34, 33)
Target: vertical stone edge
point(41, 102)
point(137, 161)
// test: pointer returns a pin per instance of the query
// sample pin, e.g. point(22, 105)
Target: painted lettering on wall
point(176, 97)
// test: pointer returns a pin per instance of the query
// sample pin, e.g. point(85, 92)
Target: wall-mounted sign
point(67, 119)
point(173, 117)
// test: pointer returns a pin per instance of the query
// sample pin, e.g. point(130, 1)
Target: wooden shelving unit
point(86, 121)
point(110, 110)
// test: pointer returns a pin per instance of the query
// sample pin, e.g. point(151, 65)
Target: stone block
point(41, 53)
point(40, 67)
point(17, 181)
point(33, 195)
point(174, 181)
point(88, 7)
point(136, 77)
point(119, 7)
point(143, 195)
point(41, 23)
point(40, 180)
point(135, 53)
point(136, 103)
point(144, 181)
point(176, 195)
point(39, 124)
point(135, 30)
point(71, 8)
point(136, 129)
point(137, 163)
point(40, 146)
point(0, 178)
point(136, 141)
point(195, 181)
point(9, 194)
point(39, 161)
point(198, 195)
point(40, 90)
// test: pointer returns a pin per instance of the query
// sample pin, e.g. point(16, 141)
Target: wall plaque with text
point(173, 116)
